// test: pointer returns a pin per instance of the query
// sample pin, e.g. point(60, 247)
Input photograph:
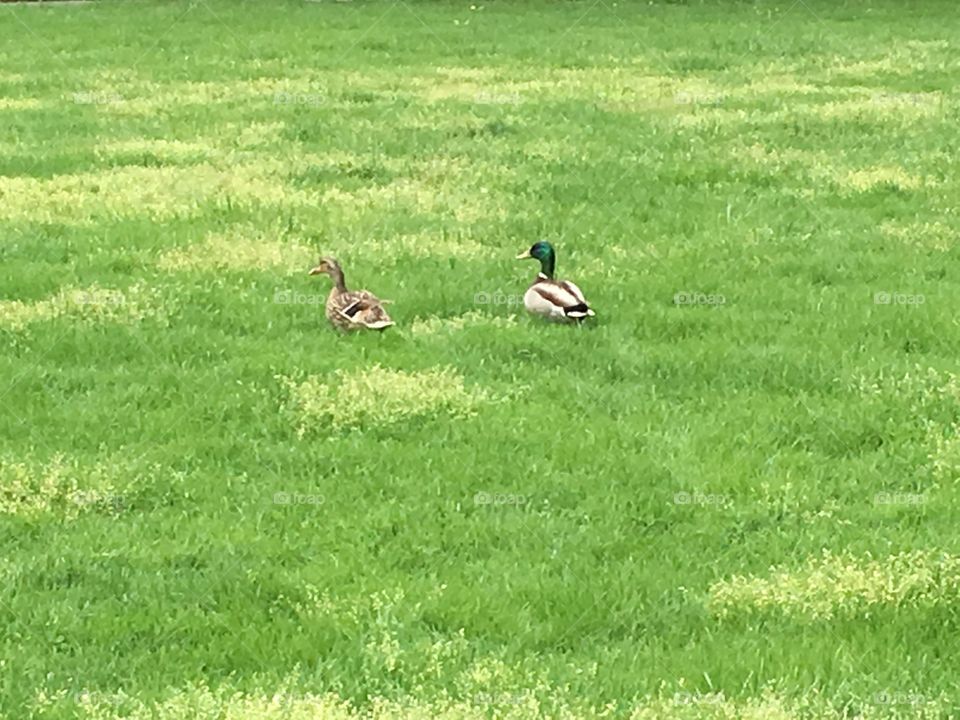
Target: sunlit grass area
point(732, 495)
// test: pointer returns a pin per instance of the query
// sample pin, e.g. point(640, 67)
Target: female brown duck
point(351, 309)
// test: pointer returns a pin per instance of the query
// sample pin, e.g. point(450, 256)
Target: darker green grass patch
point(344, 174)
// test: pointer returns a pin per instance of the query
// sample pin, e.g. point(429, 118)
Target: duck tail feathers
point(580, 310)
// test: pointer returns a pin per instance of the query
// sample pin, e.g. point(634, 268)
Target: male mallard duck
point(558, 300)
point(351, 309)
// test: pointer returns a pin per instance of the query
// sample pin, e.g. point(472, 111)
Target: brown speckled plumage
point(351, 309)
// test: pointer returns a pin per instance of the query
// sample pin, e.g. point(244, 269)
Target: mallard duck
point(558, 300)
point(351, 309)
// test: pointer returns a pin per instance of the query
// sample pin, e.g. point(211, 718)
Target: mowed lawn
point(733, 495)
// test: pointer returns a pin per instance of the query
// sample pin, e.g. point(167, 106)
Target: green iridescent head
point(544, 252)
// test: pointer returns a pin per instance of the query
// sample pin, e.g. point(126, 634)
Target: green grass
point(733, 495)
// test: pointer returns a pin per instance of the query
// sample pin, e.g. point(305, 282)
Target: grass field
point(733, 495)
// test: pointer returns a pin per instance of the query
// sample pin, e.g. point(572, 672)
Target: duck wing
point(364, 308)
point(564, 295)
point(573, 290)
